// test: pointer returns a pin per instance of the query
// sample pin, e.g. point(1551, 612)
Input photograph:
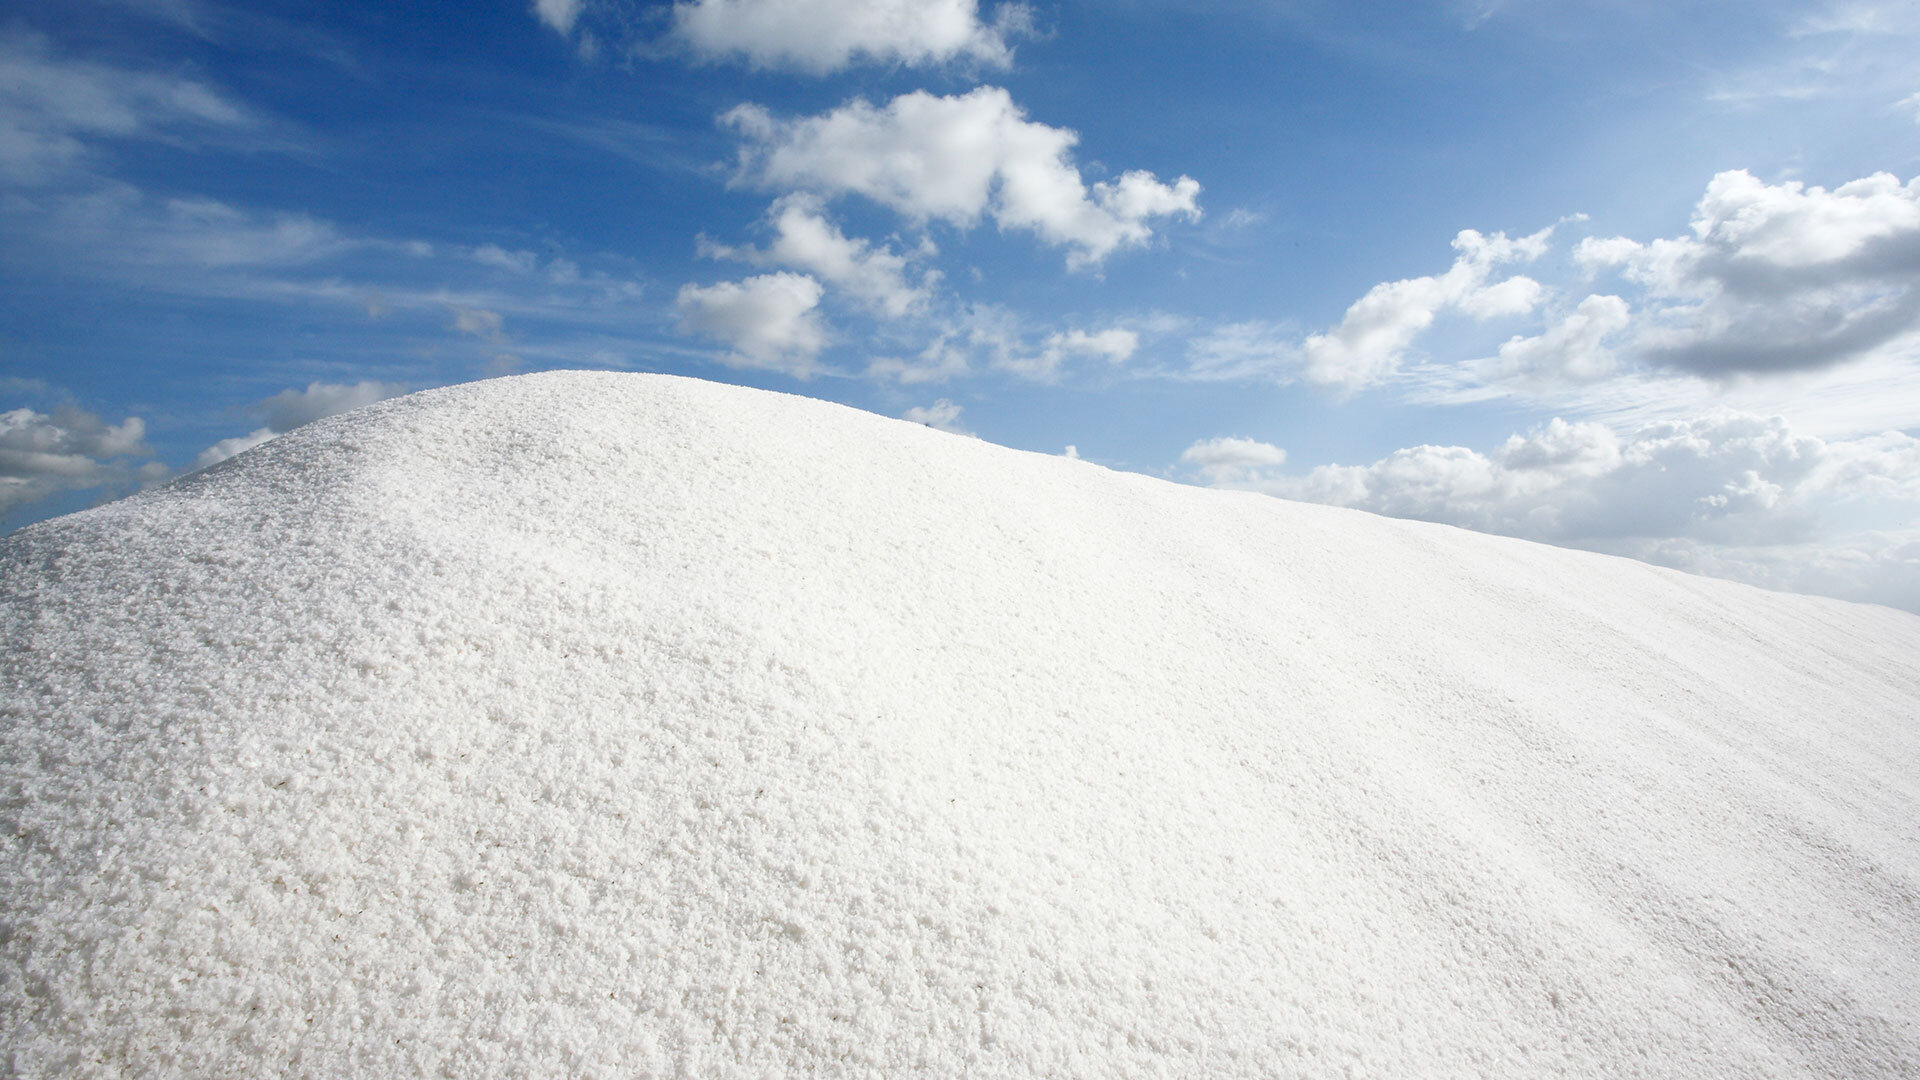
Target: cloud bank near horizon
point(1733, 495)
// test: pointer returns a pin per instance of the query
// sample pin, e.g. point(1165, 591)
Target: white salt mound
point(624, 726)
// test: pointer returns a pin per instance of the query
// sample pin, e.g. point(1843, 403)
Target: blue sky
point(1637, 277)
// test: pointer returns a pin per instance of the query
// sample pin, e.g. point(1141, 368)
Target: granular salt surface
point(625, 725)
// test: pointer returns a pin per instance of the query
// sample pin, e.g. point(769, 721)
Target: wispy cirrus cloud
point(111, 234)
point(1843, 49)
point(983, 338)
point(55, 109)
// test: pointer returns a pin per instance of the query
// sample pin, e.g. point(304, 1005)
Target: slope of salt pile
point(618, 725)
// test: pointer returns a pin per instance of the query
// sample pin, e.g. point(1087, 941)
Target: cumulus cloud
point(768, 321)
point(805, 240)
point(1229, 462)
point(1730, 493)
point(1573, 348)
point(238, 444)
point(942, 414)
point(50, 106)
point(820, 36)
point(956, 159)
point(289, 409)
point(1775, 277)
point(292, 408)
point(1719, 478)
point(69, 449)
point(1370, 341)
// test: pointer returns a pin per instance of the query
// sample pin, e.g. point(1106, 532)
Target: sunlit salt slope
point(621, 725)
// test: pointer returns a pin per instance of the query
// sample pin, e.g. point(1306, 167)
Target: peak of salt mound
point(617, 725)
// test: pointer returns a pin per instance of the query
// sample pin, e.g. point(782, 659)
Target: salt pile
point(618, 725)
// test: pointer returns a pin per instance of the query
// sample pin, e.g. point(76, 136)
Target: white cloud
point(768, 321)
point(516, 262)
point(67, 450)
point(112, 231)
point(480, 322)
point(290, 409)
point(1573, 348)
point(996, 337)
point(1716, 478)
point(1730, 493)
point(942, 414)
point(1229, 462)
point(560, 15)
point(1243, 350)
point(821, 36)
point(1114, 345)
point(50, 106)
point(202, 234)
point(1790, 225)
point(1595, 253)
point(1577, 450)
point(1857, 17)
point(956, 159)
point(1781, 298)
point(805, 240)
point(1877, 567)
point(1776, 277)
point(1371, 340)
point(943, 359)
point(1859, 53)
point(989, 336)
point(226, 448)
